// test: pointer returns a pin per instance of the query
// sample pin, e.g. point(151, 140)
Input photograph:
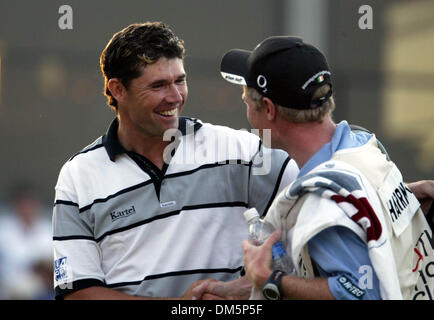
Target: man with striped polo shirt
point(156, 205)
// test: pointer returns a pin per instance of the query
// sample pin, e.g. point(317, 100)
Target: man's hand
point(188, 295)
point(238, 289)
point(424, 192)
point(257, 260)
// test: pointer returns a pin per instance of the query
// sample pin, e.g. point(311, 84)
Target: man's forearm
point(424, 192)
point(102, 293)
point(306, 289)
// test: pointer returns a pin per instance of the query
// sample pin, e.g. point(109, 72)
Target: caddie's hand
point(424, 192)
point(201, 289)
point(257, 259)
point(188, 295)
point(238, 289)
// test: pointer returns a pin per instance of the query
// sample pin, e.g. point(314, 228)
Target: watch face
point(271, 291)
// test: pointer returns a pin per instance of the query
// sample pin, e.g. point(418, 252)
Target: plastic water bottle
point(259, 231)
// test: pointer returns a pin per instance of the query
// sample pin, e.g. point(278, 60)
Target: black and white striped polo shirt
point(121, 222)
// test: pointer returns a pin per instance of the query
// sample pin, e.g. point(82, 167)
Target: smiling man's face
point(155, 100)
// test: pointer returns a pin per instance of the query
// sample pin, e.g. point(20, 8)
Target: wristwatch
point(272, 287)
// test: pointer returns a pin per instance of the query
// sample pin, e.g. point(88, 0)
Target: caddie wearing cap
point(352, 227)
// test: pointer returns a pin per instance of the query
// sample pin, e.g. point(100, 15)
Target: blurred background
point(52, 103)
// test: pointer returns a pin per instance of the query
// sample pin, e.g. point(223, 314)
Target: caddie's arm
point(257, 262)
point(424, 192)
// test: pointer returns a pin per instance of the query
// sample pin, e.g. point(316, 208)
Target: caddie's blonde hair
point(295, 115)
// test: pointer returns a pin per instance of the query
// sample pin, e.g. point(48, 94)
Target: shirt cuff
point(61, 291)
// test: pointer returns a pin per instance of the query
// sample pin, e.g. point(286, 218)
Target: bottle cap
point(251, 214)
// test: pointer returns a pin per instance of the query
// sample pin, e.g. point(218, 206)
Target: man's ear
point(117, 89)
point(270, 109)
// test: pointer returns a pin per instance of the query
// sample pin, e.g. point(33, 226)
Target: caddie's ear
point(270, 109)
point(117, 89)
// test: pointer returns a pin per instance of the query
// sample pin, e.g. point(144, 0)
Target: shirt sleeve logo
point(60, 269)
point(351, 287)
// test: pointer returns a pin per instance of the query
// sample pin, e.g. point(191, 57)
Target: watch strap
point(272, 289)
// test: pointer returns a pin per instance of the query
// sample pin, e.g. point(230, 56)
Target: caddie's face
point(254, 115)
point(155, 100)
point(257, 118)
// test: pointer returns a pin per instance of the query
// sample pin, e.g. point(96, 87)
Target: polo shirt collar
point(113, 146)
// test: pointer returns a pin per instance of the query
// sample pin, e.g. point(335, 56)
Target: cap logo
point(262, 83)
point(233, 78)
point(319, 77)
